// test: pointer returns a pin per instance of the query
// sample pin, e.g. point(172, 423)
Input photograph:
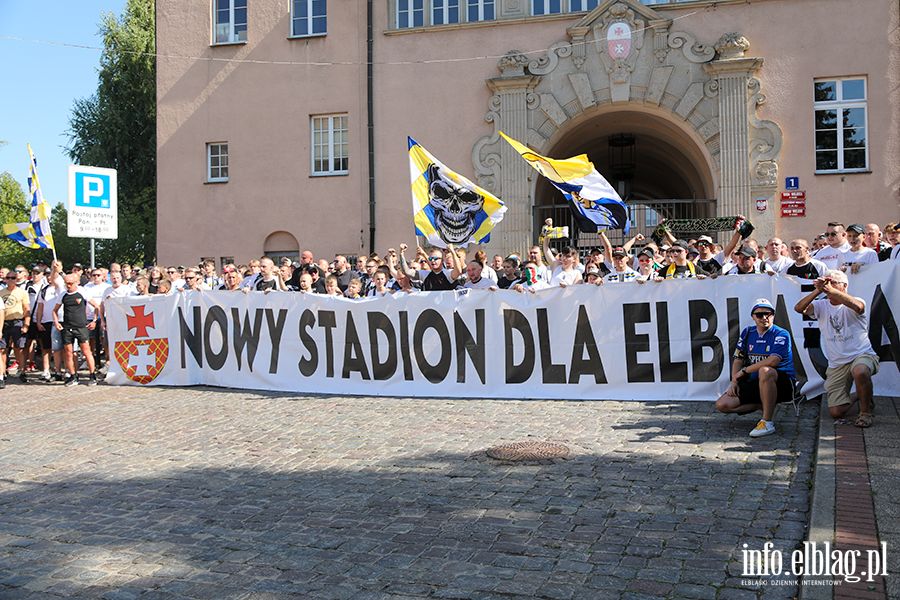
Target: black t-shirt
point(885, 254)
point(437, 282)
point(318, 286)
point(74, 309)
point(807, 271)
point(710, 266)
point(343, 280)
point(263, 285)
point(504, 284)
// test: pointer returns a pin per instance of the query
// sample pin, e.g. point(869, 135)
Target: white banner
point(672, 340)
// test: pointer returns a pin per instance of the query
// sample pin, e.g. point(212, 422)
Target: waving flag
point(595, 204)
point(35, 233)
point(447, 207)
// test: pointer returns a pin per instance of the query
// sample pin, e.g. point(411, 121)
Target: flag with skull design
point(595, 205)
point(448, 209)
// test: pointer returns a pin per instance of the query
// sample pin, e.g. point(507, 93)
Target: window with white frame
point(444, 11)
point(330, 146)
point(546, 7)
point(308, 17)
point(230, 21)
point(216, 162)
point(410, 13)
point(580, 5)
point(481, 10)
point(840, 116)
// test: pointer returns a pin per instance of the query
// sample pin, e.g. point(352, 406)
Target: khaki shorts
point(839, 380)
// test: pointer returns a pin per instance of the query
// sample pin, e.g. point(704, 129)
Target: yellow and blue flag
point(594, 203)
point(35, 233)
point(448, 209)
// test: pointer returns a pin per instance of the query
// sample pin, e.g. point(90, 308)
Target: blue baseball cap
point(762, 303)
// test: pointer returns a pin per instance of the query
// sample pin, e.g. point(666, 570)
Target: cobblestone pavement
point(123, 492)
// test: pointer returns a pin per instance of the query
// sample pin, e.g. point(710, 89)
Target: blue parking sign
point(92, 190)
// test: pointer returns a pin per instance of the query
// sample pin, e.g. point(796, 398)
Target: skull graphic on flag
point(618, 40)
point(143, 358)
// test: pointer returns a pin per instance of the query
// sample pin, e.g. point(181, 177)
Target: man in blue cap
point(763, 370)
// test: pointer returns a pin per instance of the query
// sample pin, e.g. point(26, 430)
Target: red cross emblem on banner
point(142, 360)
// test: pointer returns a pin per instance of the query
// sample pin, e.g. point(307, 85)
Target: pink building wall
point(430, 85)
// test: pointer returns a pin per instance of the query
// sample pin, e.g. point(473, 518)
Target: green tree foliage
point(116, 128)
point(13, 209)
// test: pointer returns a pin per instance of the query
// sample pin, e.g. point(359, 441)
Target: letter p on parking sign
point(91, 190)
point(92, 202)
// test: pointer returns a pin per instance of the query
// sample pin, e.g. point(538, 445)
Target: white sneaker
point(45, 376)
point(763, 428)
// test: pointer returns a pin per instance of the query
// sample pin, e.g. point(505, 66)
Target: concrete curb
point(821, 512)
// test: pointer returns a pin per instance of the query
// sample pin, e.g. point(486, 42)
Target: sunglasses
point(171, 272)
point(11, 277)
point(189, 278)
point(763, 315)
point(832, 234)
point(434, 258)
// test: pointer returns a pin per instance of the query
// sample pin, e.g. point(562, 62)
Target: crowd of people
point(51, 314)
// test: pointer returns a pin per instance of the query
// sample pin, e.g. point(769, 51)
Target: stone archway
point(622, 58)
point(281, 244)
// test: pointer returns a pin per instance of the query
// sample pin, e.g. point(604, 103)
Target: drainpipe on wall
point(370, 125)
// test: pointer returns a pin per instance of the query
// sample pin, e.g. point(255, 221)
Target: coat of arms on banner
point(618, 40)
point(143, 358)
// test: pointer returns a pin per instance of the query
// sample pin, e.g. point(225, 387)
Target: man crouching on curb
point(763, 370)
point(845, 341)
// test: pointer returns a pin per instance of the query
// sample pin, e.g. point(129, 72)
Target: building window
point(840, 110)
point(231, 21)
point(216, 162)
point(481, 10)
point(330, 145)
point(546, 7)
point(410, 13)
point(309, 18)
point(580, 5)
point(445, 11)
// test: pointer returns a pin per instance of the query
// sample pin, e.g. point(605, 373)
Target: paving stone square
point(126, 492)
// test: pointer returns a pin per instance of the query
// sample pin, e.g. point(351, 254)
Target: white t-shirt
point(866, 256)
point(560, 276)
point(95, 291)
point(51, 296)
point(845, 334)
point(780, 264)
point(482, 284)
point(489, 273)
point(120, 292)
point(832, 257)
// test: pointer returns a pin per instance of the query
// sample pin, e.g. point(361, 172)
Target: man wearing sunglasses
point(15, 327)
point(844, 322)
point(833, 254)
point(762, 374)
point(75, 327)
point(435, 279)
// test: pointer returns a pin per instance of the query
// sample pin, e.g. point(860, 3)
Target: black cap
point(681, 244)
point(619, 252)
point(648, 252)
point(78, 266)
point(747, 251)
point(857, 228)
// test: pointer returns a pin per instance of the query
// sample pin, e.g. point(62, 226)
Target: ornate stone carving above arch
point(636, 61)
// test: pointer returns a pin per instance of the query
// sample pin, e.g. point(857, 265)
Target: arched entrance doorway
point(659, 168)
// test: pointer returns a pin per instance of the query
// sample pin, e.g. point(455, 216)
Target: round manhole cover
point(528, 451)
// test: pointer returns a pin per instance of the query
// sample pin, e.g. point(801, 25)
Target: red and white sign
point(762, 204)
point(793, 203)
point(618, 40)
